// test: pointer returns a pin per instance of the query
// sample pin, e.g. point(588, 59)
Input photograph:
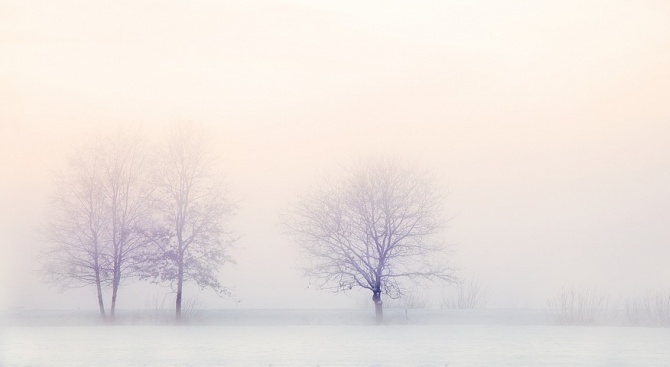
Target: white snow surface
point(320, 344)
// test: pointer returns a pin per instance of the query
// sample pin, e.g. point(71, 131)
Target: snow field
point(334, 345)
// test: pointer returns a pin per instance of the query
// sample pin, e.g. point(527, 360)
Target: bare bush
point(191, 306)
point(651, 309)
point(411, 301)
point(157, 308)
point(580, 306)
point(468, 295)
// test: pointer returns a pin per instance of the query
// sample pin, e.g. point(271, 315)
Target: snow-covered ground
point(327, 344)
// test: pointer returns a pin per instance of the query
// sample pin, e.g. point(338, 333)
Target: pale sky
point(549, 122)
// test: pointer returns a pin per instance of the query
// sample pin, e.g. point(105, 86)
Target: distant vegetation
point(587, 306)
point(580, 306)
point(467, 295)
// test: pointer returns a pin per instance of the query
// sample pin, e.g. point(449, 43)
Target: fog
point(548, 121)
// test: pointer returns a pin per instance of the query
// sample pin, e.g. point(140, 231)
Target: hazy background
point(548, 120)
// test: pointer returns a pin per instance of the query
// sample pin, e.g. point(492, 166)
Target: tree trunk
point(180, 282)
point(379, 311)
point(115, 289)
point(101, 302)
point(116, 282)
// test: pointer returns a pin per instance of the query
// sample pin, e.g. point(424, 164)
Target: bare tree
point(192, 206)
point(75, 232)
point(96, 232)
point(379, 225)
point(127, 200)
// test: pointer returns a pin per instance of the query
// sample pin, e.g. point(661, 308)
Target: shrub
point(651, 309)
point(580, 306)
point(468, 295)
